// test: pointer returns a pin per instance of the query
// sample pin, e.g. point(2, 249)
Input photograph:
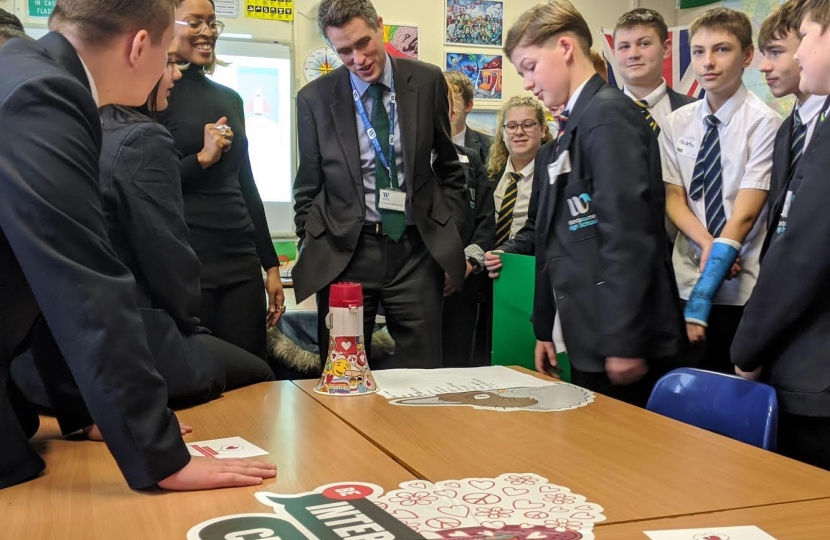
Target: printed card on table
point(711, 533)
point(227, 448)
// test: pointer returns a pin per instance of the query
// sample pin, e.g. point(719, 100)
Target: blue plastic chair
point(743, 410)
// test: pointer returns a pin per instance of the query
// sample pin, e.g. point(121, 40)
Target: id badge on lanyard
point(391, 198)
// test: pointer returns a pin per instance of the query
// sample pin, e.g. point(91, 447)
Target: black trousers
point(636, 393)
point(713, 354)
point(196, 369)
point(404, 278)
point(18, 419)
point(236, 313)
point(463, 321)
point(805, 438)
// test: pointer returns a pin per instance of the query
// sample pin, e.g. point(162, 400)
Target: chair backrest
point(725, 404)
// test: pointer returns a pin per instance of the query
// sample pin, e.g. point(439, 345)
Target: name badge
point(463, 159)
point(686, 147)
point(562, 165)
point(392, 199)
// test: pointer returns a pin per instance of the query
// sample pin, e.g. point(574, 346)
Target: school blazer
point(677, 100)
point(524, 240)
point(478, 224)
point(479, 142)
point(786, 322)
point(56, 259)
point(780, 176)
point(601, 255)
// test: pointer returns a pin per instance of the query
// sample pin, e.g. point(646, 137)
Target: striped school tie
point(508, 203)
point(652, 123)
point(707, 179)
point(798, 139)
point(562, 122)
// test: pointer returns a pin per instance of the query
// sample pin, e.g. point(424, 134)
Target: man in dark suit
point(367, 211)
point(57, 269)
point(784, 334)
point(602, 261)
point(462, 134)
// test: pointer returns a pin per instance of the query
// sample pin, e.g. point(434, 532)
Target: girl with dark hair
point(143, 207)
point(142, 203)
point(223, 209)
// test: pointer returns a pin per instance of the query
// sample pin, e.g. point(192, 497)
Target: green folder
point(514, 341)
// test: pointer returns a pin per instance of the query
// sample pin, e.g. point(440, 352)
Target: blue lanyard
point(370, 131)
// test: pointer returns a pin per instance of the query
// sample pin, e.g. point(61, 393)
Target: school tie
point(562, 122)
point(394, 223)
point(652, 123)
point(707, 178)
point(508, 203)
point(799, 136)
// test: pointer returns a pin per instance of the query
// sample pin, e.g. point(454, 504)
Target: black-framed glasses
point(512, 127)
point(197, 26)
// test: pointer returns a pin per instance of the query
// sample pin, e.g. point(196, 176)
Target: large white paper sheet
point(399, 383)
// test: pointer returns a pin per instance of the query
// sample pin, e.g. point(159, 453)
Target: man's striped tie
point(652, 123)
point(798, 139)
point(508, 203)
point(707, 179)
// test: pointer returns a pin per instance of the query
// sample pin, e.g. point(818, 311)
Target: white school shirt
point(658, 101)
point(525, 186)
point(809, 113)
point(746, 134)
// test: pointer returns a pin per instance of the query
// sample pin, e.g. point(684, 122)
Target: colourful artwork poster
point(270, 10)
point(474, 22)
point(513, 506)
point(401, 41)
point(483, 70)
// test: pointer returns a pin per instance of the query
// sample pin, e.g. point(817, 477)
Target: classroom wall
point(428, 15)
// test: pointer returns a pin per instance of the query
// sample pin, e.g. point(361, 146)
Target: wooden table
point(636, 464)
point(83, 495)
point(791, 521)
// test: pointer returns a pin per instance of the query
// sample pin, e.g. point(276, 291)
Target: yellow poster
point(271, 10)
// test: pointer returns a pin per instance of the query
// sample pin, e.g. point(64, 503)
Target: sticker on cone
point(346, 372)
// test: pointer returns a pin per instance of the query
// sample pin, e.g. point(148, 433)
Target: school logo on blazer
point(580, 208)
point(579, 205)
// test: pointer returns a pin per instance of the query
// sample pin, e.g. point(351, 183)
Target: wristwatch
point(475, 264)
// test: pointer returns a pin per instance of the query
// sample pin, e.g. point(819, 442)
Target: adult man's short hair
point(338, 13)
point(98, 22)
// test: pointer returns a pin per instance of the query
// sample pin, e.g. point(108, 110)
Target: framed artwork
point(474, 22)
point(401, 40)
point(483, 121)
point(483, 70)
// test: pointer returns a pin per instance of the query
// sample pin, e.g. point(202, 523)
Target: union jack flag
point(677, 68)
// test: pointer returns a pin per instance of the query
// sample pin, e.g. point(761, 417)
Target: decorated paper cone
point(346, 372)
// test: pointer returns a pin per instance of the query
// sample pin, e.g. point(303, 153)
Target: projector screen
point(261, 73)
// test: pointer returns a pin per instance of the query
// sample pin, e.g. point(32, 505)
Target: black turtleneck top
point(222, 205)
